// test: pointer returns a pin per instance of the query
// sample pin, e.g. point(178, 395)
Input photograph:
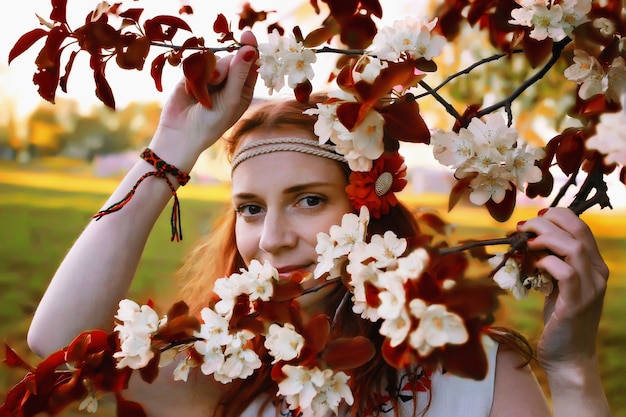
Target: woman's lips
point(290, 272)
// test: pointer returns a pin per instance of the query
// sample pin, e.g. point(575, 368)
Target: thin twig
point(449, 107)
point(557, 49)
point(467, 70)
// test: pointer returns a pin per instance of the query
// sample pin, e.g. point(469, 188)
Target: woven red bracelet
point(162, 169)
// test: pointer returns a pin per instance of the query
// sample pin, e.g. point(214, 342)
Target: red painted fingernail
point(216, 75)
point(542, 211)
point(249, 56)
point(521, 223)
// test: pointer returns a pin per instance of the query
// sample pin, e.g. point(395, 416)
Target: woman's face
point(283, 200)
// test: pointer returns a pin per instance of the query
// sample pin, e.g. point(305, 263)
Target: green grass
point(39, 225)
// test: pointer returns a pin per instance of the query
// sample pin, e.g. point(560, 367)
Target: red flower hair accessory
point(375, 188)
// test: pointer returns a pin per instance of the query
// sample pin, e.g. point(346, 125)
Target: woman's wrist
point(175, 149)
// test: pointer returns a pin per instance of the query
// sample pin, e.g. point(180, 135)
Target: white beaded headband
point(285, 144)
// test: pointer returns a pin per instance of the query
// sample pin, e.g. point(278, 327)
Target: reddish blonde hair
point(216, 256)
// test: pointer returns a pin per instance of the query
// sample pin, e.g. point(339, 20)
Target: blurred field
point(42, 213)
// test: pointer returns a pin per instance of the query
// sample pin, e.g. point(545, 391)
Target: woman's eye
point(249, 210)
point(311, 201)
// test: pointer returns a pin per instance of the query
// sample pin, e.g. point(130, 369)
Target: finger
point(560, 231)
point(221, 72)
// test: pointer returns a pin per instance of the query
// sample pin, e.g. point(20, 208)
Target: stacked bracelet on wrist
point(162, 169)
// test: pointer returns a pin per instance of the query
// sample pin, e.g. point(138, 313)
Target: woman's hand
point(572, 312)
point(187, 128)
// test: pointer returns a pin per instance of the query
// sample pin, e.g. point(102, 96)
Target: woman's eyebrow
point(306, 186)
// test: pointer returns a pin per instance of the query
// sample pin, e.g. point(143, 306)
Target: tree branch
point(557, 49)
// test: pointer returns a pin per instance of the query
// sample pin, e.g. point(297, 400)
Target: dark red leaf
point(185, 9)
point(127, 408)
point(358, 31)
point(13, 359)
point(248, 16)
point(198, 69)
point(536, 51)
point(26, 41)
point(103, 89)
point(425, 65)
point(179, 325)
point(348, 114)
point(49, 56)
point(58, 13)
point(542, 188)
point(400, 356)
point(403, 121)
point(349, 353)
point(303, 91)
point(467, 360)
point(178, 309)
point(133, 55)
point(372, 7)
point(320, 35)
point(94, 37)
point(133, 14)
point(154, 27)
point(434, 221)
point(316, 332)
point(342, 9)
point(77, 350)
point(221, 24)
point(150, 372)
point(156, 70)
point(570, 152)
point(397, 73)
point(68, 68)
point(503, 210)
point(458, 190)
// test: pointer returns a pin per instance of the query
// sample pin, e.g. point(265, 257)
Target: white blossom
point(138, 324)
point(542, 282)
point(284, 56)
point(490, 185)
point(547, 22)
point(491, 153)
point(508, 276)
point(181, 373)
point(437, 327)
point(396, 329)
point(330, 395)
point(333, 247)
point(283, 342)
point(362, 276)
point(364, 143)
point(594, 79)
point(240, 360)
point(386, 249)
point(410, 37)
point(301, 385)
point(610, 136)
point(89, 404)
point(392, 296)
point(368, 68)
point(215, 335)
point(412, 265)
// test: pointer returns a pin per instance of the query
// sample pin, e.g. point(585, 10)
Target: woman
point(282, 200)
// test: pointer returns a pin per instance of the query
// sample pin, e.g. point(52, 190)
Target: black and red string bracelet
point(162, 169)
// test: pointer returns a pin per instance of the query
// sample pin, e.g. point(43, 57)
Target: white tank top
point(452, 396)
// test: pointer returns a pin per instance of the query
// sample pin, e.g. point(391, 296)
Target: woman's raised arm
point(98, 270)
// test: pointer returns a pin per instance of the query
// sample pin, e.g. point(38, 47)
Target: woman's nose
point(278, 233)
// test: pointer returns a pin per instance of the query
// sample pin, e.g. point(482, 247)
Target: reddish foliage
point(248, 16)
